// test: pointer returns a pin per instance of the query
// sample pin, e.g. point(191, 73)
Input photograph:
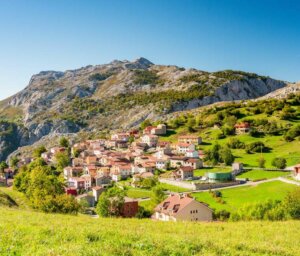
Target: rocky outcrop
point(50, 94)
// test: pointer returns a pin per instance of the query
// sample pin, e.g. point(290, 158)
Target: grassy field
point(261, 174)
point(172, 188)
point(201, 172)
point(138, 192)
point(236, 197)
point(31, 233)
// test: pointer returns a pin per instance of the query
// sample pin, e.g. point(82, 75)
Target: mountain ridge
point(119, 95)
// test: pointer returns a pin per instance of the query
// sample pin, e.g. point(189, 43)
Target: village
point(138, 156)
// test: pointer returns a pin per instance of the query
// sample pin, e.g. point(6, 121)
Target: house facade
point(182, 208)
point(191, 139)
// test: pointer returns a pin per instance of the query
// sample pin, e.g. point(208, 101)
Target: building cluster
point(100, 162)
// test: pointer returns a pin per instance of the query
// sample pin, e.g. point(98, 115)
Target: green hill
point(33, 233)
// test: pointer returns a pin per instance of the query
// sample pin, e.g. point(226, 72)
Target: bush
point(235, 143)
point(279, 162)
point(255, 147)
point(292, 133)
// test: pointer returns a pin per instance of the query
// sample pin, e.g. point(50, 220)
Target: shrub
point(235, 143)
point(279, 162)
point(255, 147)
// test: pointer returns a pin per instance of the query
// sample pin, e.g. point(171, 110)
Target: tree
point(255, 147)
point(213, 155)
point(13, 162)
point(226, 156)
point(148, 182)
point(145, 123)
point(158, 194)
point(39, 151)
point(191, 123)
point(292, 204)
point(279, 162)
point(62, 160)
point(63, 142)
point(3, 165)
point(111, 202)
point(261, 162)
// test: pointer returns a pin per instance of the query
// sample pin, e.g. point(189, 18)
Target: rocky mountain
point(282, 93)
point(117, 95)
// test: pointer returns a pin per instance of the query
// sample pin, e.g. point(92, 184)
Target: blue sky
point(256, 36)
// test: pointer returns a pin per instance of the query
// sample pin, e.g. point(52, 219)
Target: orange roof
point(173, 204)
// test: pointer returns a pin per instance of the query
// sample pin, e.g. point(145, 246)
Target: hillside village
point(138, 157)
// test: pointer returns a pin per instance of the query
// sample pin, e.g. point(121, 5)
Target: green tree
point(191, 123)
point(3, 165)
point(279, 162)
point(13, 162)
point(292, 204)
point(39, 151)
point(261, 162)
point(158, 194)
point(64, 142)
point(111, 202)
point(145, 123)
point(226, 156)
point(62, 160)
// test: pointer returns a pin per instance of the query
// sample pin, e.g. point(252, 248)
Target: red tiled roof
point(173, 204)
point(186, 168)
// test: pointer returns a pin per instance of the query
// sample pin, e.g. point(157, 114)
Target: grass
point(138, 192)
point(30, 233)
point(172, 188)
point(17, 197)
point(237, 197)
point(261, 174)
point(203, 171)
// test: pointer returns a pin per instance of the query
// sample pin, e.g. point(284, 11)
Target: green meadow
point(235, 198)
point(30, 233)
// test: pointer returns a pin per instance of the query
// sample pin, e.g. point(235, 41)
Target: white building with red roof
point(182, 208)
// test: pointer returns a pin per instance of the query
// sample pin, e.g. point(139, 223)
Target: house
point(91, 159)
point(184, 173)
point(182, 208)
point(130, 208)
point(120, 136)
point(161, 129)
point(161, 163)
point(123, 170)
point(86, 200)
point(242, 128)
point(87, 181)
point(195, 163)
point(77, 162)
point(297, 172)
point(103, 181)
point(183, 148)
point(56, 150)
point(76, 182)
point(97, 191)
point(143, 167)
point(72, 172)
point(192, 154)
point(191, 139)
point(237, 168)
point(177, 161)
point(150, 139)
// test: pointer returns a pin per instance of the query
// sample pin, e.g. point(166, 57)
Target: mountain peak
point(143, 61)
